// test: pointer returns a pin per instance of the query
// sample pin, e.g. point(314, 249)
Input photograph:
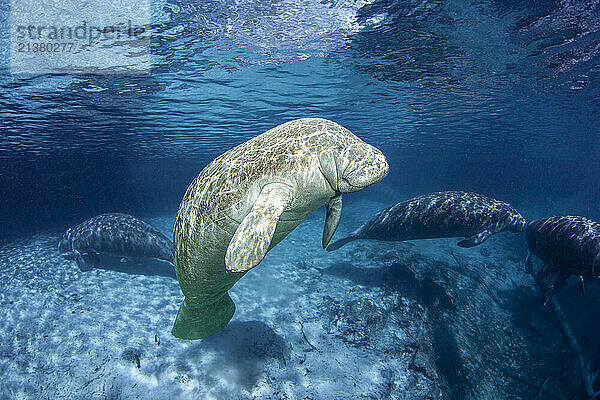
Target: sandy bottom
point(373, 320)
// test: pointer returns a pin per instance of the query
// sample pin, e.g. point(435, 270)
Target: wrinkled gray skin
point(440, 215)
point(115, 234)
point(249, 198)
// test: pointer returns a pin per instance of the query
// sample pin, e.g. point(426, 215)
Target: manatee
point(439, 215)
point(568, 245)
point(115, 234)
point(248, 199)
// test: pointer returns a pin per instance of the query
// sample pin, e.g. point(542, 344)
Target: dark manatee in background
point(568, 245)
point(440, 215)
point(115, 234)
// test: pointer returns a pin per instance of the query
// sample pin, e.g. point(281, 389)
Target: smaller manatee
point(440, 215)
point(568, 245)
point(115, 234)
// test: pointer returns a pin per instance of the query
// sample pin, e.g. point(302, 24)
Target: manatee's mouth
point(361, 181)
point(359, 178)
point(345, 186)
point(349, 184)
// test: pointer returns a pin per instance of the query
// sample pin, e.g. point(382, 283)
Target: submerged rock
point(354, 321)
point(133, 356)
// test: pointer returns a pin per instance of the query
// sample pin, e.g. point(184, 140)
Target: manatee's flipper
point(528, 264)
point(554, 281)
point(339, 243)
point(83, 261)
point(334, 212)
point(475, 239)
point(166, 254)
point(550, 281)
point(194, 323)
point(252, 238)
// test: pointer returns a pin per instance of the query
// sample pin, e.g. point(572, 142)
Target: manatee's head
point(352, 167)
point(64, 244)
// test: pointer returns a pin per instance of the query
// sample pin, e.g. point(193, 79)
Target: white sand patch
point(309, 324)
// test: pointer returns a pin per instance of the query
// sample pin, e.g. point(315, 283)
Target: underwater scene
point(300, 199)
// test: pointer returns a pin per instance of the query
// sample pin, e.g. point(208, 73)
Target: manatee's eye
point(340, 148)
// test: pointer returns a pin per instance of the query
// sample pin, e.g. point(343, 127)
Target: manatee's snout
point(366, 165)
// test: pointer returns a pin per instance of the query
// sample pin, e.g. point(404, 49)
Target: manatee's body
point(118, 235)
point(440, 215)
point(568, 245)
point(249, 198)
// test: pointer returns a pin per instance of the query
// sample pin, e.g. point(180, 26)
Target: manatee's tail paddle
point(199, 322)
point(339, 243)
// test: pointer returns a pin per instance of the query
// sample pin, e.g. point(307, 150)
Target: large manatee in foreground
point(249, 198)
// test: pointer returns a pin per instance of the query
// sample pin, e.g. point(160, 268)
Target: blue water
point(498, 97)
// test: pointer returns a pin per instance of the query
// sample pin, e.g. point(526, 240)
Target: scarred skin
point(285, 174)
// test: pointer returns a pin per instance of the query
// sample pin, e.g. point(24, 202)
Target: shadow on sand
point(141, 266)
point(239, 353)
